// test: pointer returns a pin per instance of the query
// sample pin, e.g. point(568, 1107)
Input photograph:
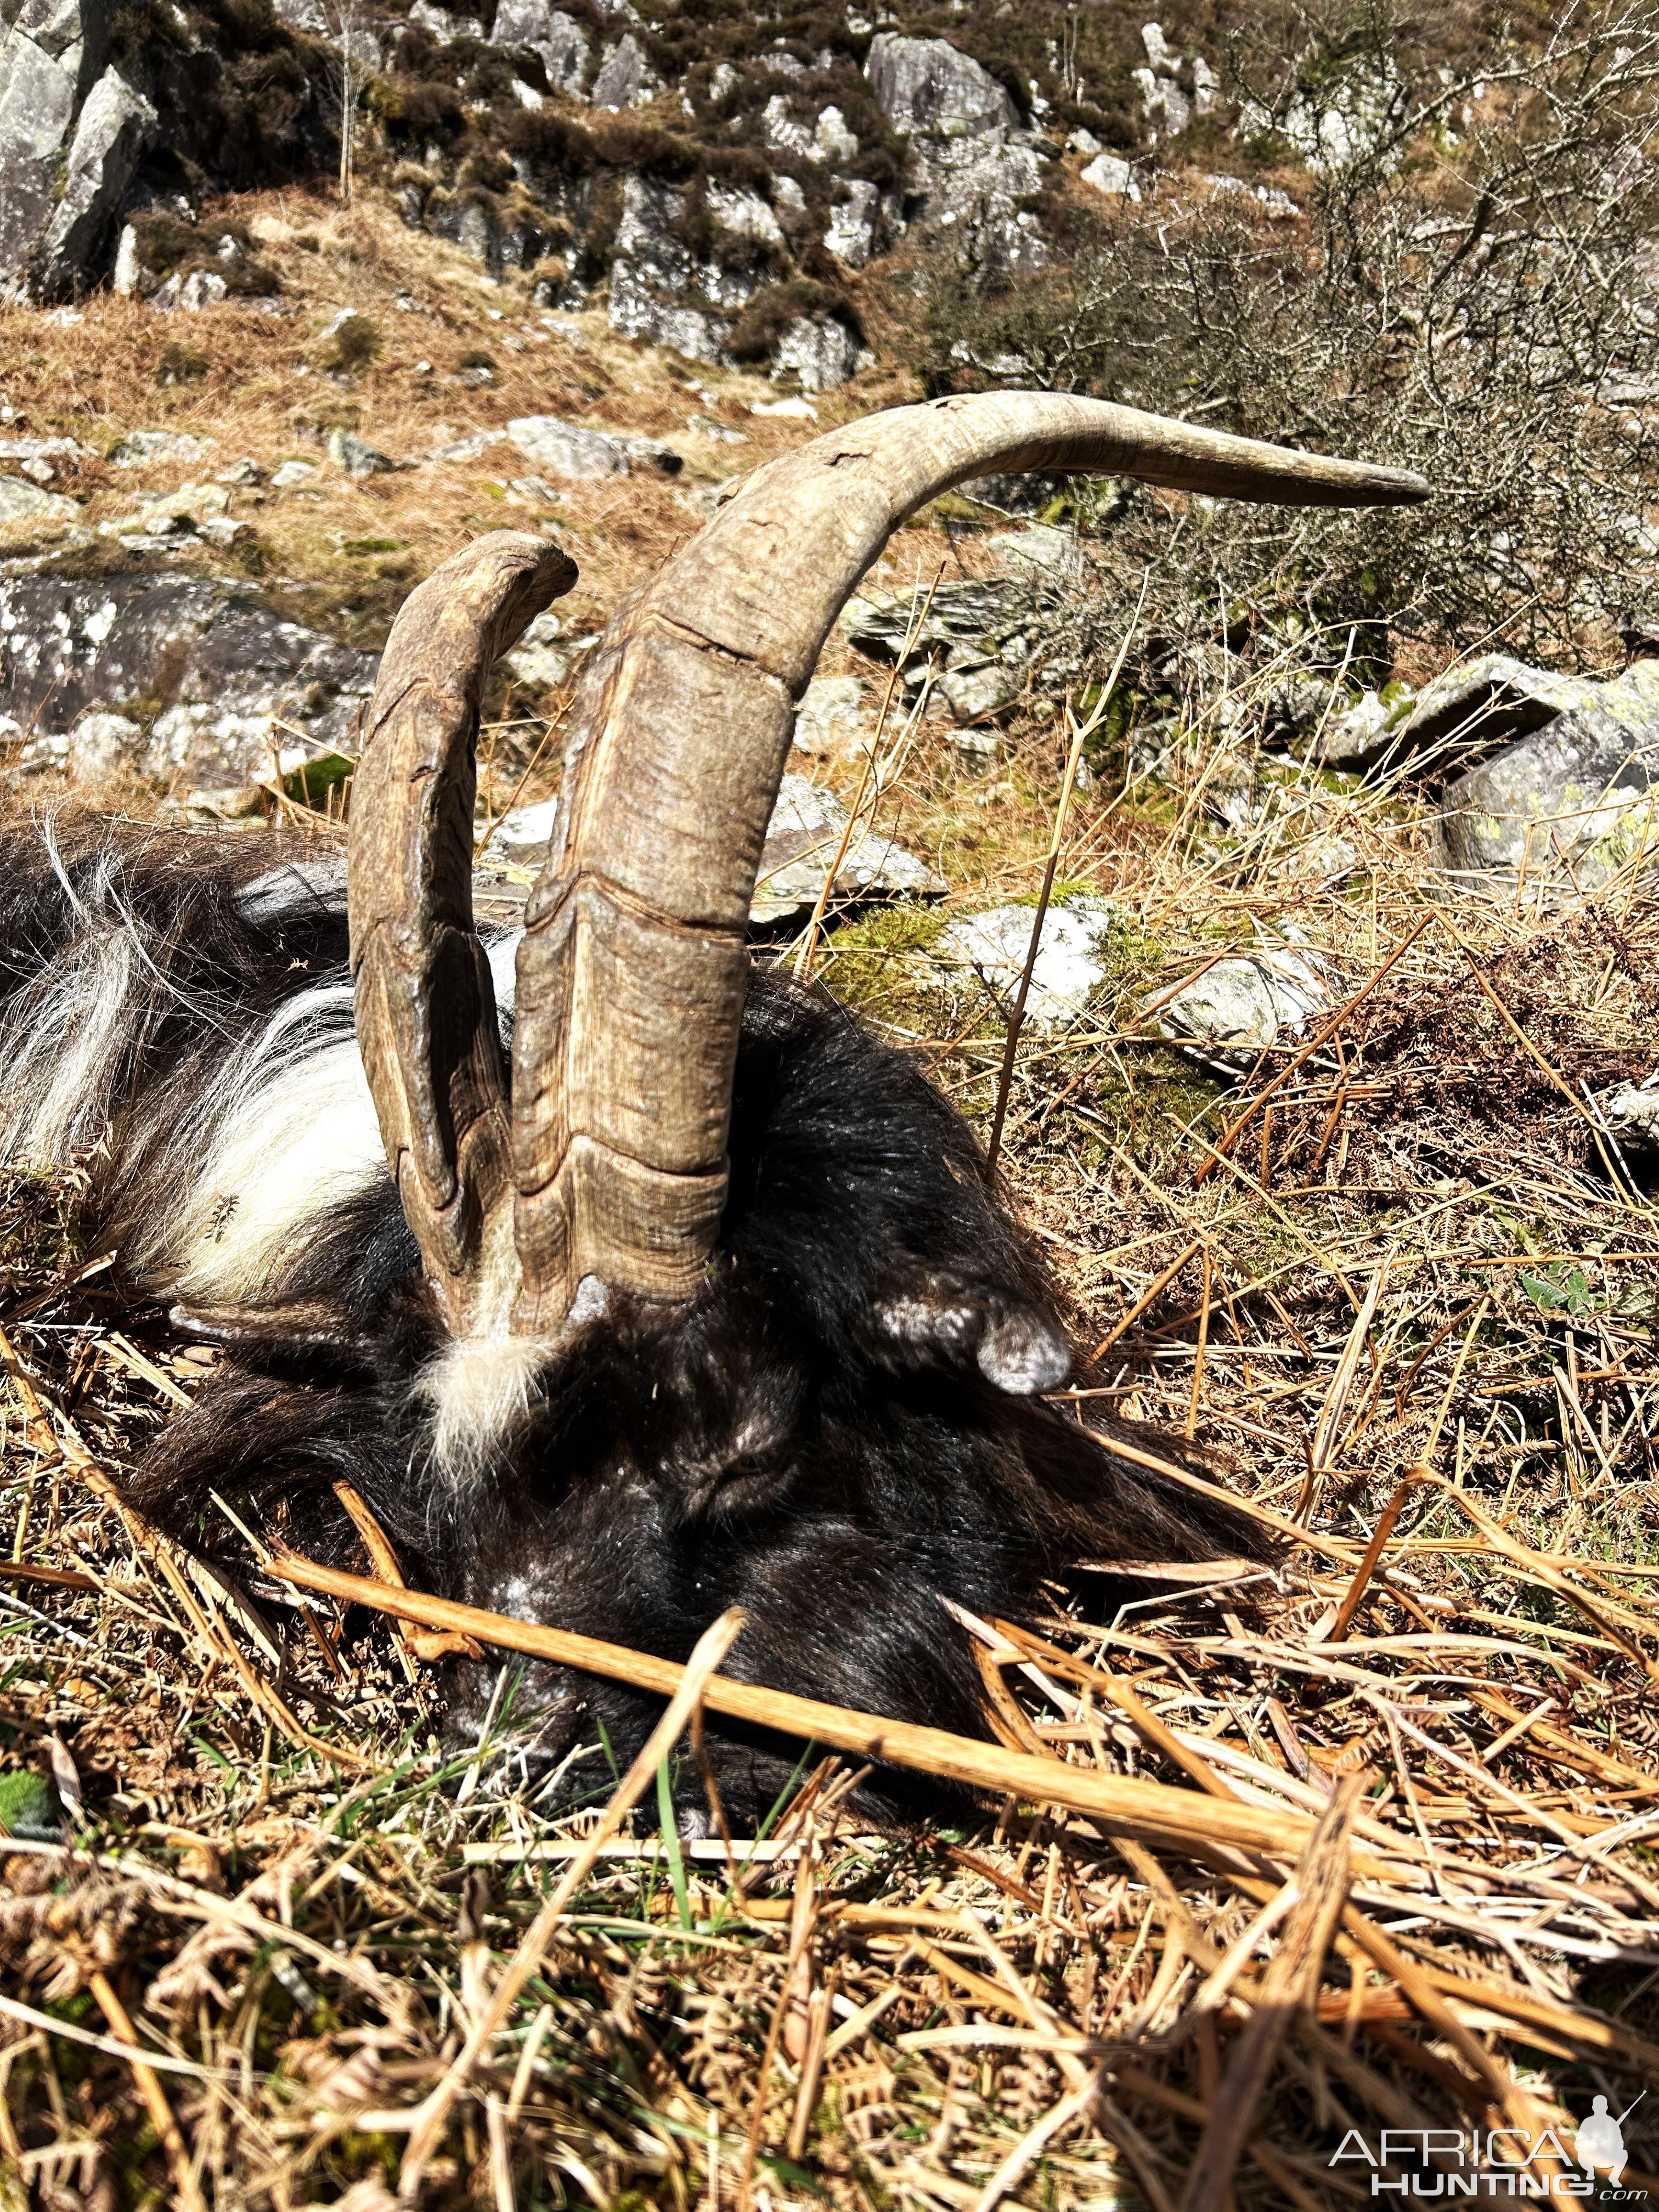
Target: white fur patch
point(479, 1389)
point(299, 1137)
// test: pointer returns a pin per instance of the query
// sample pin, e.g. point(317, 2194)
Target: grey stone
point(1163, 100)
point(661, 294)
point(25, 507)
point(1110, 174)
point(356, 457)
point(802, 840)
point(565, 448)
point(1245, 1003)
point(1368, 731)
point(832, 138)
point(1631, 1112)
point(1083, 142)
point(925, 85)
point(1473, 710)
point(443, 26)
point(537, 659)
point(227, 670)
point(520, 839)
point(830, 721)
point(111, 131)
point(1040, 549)
point(719, 433)
point(785, 133)
point(468, 447)
point(972, 194)
point(975, 687)
point(850, 233)
point(820, 350)
point(203, 287)
point(287, 474)
point(653, 453)
point(741, 214)
point(37, 93)
point(1070, 964)
point(985, 615)
point(100, 746)
point(128, 276)
point(1563, 809)
point(557, 38)
point(626, 78)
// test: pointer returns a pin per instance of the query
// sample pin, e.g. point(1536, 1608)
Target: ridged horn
point(631, 977)
point(425, 1008)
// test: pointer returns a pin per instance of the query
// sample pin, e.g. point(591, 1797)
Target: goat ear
point(934, 1318)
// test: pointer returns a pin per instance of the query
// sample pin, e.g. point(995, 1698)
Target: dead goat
point(681, 1290)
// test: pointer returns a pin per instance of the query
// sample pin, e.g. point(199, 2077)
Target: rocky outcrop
point(558, 40)
point(926, 88)
point(971, 165)
point(204, 668)
point(71, 134)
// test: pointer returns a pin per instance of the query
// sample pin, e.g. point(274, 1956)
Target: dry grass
point(1406, 1300)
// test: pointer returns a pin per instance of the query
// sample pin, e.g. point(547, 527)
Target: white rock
point(1069, 965)
point(851, 229)
point(25, 505)
point(290, 473)
point(521, 838)
point(537, 659)
point(829, 719)
point(101, 745)
point(567, 449)
point(1246, 1002)
point(832, 141)
point(802, 840)
point(140, 447)
point(1083, 142)
point(1109, 174)
point(1040, 549)
point(203, 287)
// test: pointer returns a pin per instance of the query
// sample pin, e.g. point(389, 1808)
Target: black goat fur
point(815, 1439)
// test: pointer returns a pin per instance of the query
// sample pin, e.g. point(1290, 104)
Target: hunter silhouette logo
point(1601, 2140)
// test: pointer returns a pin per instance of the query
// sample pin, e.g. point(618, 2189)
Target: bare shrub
point(1469, 290)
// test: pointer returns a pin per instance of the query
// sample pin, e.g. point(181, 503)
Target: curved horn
point(631, 977)
point(425, 1008)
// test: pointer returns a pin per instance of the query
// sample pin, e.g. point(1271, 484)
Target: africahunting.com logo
point(1501, 2163)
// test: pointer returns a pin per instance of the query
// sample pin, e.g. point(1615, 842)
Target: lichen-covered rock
point(226, 670)
point(1070, 965)
point(356, 456)
point(1110, 174)
point(802, 840)
point(830, 721)
point(820, 350)
point(1565, 809)
point(923, 85)
point(1473, 710)
point(662, 293)
point(112, 129)
point(566, 449)
point(50, 57)
point(1245, 1003)
point(26, 508)
point(558, 39)
point(626, 78)
point(850, 232)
